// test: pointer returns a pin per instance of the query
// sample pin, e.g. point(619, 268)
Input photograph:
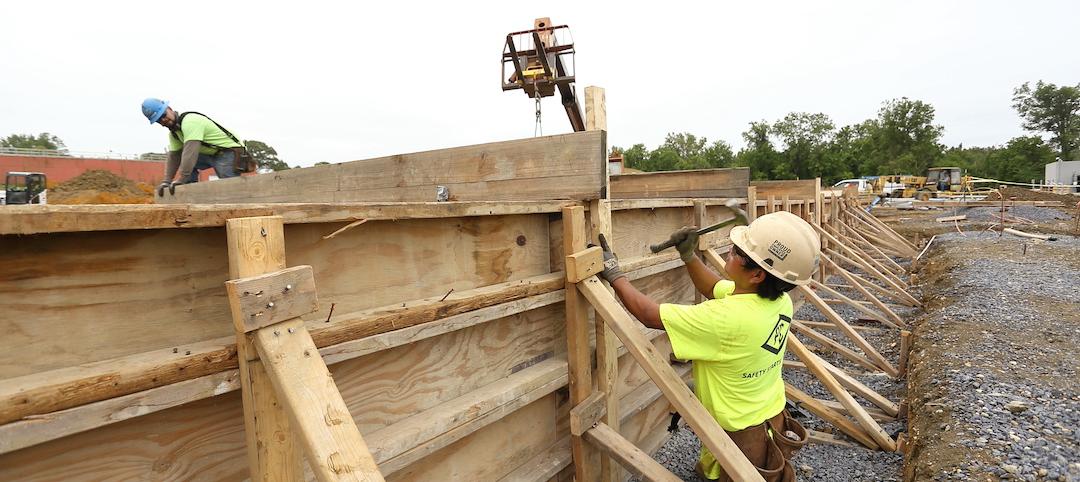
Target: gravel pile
point(1033, 213)
point(996, 360)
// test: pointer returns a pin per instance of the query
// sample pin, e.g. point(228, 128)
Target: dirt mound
point(1021, 194)
point(99, 186)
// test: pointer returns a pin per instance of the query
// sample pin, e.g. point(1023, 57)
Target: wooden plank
point(855, 337)
point(713, 437)
point(886, 406)
point(70, 387)
point(595, 109)
point(854, 304)
point(266, 299)
point(411, 439)
point(812, 362)
point(587, 414)
point(256, 245)
point(493, 452)
point(894, 293)
point(568, 166)
point(869, 264)
point(799, 189)
point(827, 438)
point(702, 183)
point(584, 264)
point(335, 450)
point(877, 414)
point(39, 394)
point(607, 356)
point(544, 466)
point(39, 219)
point(833, 346)
point(579, 356)
point(828, 414)
point(631, 457)
point(863, 291)
point(869, 269)
point(43, 428)
point(825, 325)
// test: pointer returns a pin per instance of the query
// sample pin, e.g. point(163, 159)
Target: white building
point(1063, 172)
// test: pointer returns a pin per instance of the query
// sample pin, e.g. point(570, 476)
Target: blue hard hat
point(153, 108)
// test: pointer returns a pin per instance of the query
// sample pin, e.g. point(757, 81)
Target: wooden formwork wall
point(446, 337)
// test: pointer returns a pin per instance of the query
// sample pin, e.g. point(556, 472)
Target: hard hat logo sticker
point(779, 250)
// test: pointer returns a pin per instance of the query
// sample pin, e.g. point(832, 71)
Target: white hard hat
point(783, 244)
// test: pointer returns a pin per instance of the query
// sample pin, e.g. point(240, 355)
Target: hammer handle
point(656, 248)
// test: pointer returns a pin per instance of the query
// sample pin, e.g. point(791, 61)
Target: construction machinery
point(24, 188)
point(540, 61)
point(938, 182)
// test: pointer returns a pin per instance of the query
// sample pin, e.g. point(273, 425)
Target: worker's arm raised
point(637, 303)
point(686, 241)
point(704, 278)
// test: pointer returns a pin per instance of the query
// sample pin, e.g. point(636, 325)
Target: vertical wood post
point(579, 358)
point(905, 350)
point(595, 109)
point(607, 346)
point(751, 204)
point(257, 246)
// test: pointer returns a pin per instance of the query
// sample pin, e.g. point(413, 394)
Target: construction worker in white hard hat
point(737, 337)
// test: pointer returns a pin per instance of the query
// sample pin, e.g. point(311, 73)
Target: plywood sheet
point(703, 183)
point(569, 166)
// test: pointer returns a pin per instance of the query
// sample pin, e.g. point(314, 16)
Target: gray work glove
point(686, 241)
point(162, 187)
point(611, 270)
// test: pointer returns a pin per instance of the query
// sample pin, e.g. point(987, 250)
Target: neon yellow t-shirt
point(197, 127)
point(737, 343)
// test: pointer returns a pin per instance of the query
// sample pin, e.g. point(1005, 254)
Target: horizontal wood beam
point(627, 454)
point(38, 219)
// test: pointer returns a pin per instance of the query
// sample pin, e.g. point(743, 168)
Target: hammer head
point(740, 215)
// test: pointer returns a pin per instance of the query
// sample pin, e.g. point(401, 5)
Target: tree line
point(902, 139)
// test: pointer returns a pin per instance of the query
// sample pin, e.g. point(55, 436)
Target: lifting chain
point(538, 129)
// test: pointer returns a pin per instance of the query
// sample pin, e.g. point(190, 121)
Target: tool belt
point(242, 160)
point(770, 454)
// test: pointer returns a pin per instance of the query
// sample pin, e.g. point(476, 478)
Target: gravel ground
point(996, 361)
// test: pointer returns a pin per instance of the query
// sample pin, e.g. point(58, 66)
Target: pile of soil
point(1021, 194)
point(99, 186)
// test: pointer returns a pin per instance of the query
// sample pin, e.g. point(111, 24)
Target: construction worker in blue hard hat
point(737, 337)
point(196, 143)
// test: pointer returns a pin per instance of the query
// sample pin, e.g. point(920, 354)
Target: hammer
point(740, 218)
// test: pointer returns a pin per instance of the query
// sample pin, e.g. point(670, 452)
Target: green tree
point(906, 139)
point(1052, 109)
point(30, 141)
point(1022, 159)
point(805, 136)
point(759, 154)
point(265, 155)
point(634, 157)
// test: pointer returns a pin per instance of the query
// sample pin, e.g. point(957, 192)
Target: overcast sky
point(327, 81)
